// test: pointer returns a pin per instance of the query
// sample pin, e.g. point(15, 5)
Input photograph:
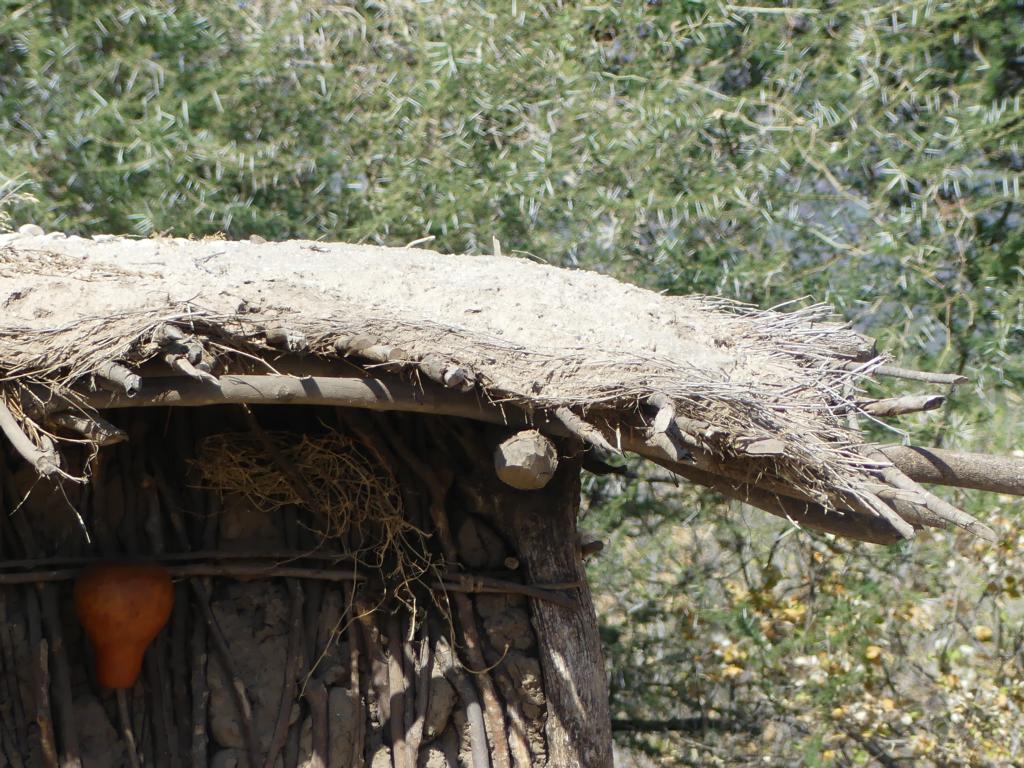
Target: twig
point(126, 729)
point(447, 373)
point(159, 706)
point(378, 684)
point(517, 738)
point(161, 690)
point(37, 747)
point(458, 582)
point(366, 347)
point(381, 394)
point(242, 571)
point(197, 570)
point(801, 513)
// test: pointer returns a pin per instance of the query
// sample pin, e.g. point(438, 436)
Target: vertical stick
point(126, 729)
point(397, 684)
point(165, 724)
point(352, 632)
point(424, 665)
point(17, 698)
point(200, 691)
point(291, 673)
point(316, 697)
point(223, 652)
point(494, 717)
point(179, 671)
point(12, 723)
point(467, 693)
point(49, 747)
point(63, 705)
point(51, 621)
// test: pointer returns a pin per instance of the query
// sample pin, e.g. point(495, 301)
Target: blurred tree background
point(868, 154)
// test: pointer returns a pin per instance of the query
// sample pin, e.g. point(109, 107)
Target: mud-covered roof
point(759, 404)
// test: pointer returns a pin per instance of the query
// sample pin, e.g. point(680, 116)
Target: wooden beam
point(999, 474)
point(989, 473)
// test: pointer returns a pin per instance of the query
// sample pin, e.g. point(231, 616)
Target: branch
point(896, 406)
point(394, 395)
point(906, 373)
point(586, 432)
point(91, 428)
point(121, 378)
point(370, 394)
point(46, 463)
point(932, 503)
point(853, 525)
point(999, 474)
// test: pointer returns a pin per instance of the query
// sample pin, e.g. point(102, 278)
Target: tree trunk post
point(543, 524)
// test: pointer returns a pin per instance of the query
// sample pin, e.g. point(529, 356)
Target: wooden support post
point(543, 524)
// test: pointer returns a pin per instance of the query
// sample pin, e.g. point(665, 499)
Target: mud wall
point(459, 633)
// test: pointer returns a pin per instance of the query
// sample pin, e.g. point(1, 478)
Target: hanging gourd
point(122, 607)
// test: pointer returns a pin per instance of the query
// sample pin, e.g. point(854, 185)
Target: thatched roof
point(756, 404)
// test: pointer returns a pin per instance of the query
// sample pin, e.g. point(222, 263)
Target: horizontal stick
point(372, 394)
point(462, 583)
point(896, 372)
point(232, 571)
point(999, 474)
point(695, 724)
point(393, 394)
point(280, 557)
point(92, 428)
point(896, 406)
point(120, 378)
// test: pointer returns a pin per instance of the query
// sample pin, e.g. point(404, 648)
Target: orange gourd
point(122, 607)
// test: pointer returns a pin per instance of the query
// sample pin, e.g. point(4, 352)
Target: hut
point(360, 468)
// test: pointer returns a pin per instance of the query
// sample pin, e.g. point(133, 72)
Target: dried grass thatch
point(753, 403)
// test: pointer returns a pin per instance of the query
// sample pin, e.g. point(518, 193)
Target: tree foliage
point(867, 154)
